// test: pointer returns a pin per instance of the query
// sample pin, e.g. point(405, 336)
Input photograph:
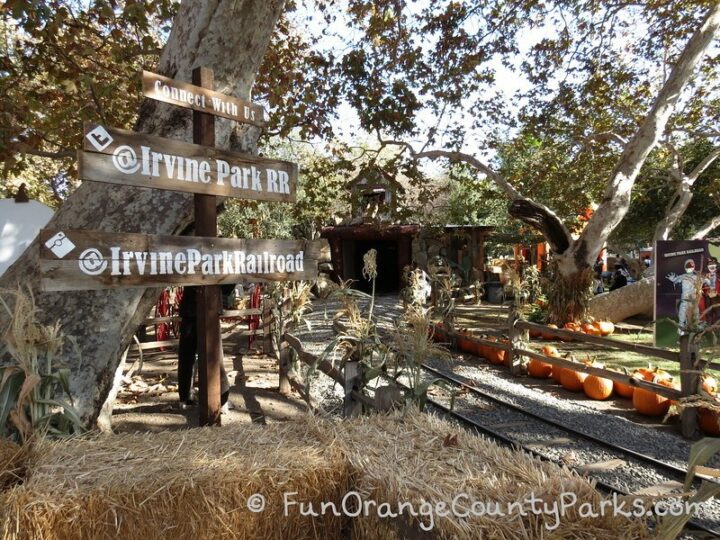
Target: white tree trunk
point(229, 37)
point(616, 200)
point(706, 229)
point(629, 301)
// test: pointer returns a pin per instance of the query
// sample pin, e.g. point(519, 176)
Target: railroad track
point(638, 466)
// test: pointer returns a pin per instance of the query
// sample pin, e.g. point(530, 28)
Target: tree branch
point(605, 136)
point(534, 214)
point(27, 149)
point(616, 201)
point(706, 229)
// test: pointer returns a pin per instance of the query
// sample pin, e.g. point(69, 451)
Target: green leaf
point(9, 389)
point(700, 453)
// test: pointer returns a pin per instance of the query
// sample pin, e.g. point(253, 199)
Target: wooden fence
point(687, 357)
point(262, 332)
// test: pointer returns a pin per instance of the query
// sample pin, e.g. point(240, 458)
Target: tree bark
point(629, 301)
point(229, 37)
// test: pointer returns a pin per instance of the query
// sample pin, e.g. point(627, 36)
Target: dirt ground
point(149, 401)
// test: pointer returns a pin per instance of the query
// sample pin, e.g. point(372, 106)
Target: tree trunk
point(629, 301)
point(229, 37)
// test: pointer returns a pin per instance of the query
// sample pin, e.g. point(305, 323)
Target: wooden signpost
point(72, 260)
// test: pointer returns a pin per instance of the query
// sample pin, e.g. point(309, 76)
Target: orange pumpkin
point(623, 390)
point(556, 374)
point(596, 387)
point(709, 421)
point(605, 328)
point(572, 380)
point(539, 370)
point(649, 403)
point(709, 384)
point(549, 337)
point(550, 350)
point(590, 329)
point(463, 343)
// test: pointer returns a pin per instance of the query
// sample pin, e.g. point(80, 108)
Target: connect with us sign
point(202, 99)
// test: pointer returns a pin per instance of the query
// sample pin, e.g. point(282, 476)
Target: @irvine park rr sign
point(122, 157)
point(81, 260)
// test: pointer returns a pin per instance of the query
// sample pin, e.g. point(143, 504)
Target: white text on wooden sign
point(202, 99)
point(117, 156)
point(79, 260)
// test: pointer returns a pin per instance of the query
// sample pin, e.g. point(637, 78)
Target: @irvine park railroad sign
point(117, 156)
point(80, 260)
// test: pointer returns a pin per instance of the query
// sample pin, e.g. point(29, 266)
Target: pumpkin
point(439, 333)
point(549, 337)
point(556, 373)
point(550, 350)
point(596, 387)
point(539, 370)
point(605, 328)
point(648, 403)
point(709, 384)
point(709, 421)
point(572, 380)
point(464, 344)
point(590, 329)
point(623, 390)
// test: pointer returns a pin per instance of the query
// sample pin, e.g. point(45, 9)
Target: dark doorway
point(388, 279)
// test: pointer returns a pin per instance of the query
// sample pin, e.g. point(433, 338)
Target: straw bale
point(188, 484)
point(195, 484)
point(12, 463)
point(415, 458)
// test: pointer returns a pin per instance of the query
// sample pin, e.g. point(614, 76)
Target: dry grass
point(192, 484)
point(12, 463)
point(195, 484)
point(419, 458)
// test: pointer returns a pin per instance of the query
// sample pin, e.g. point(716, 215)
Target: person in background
point(188, 349)
point(619, 278)
point(599, 287)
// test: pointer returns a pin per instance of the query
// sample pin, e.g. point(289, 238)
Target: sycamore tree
point(604, 84)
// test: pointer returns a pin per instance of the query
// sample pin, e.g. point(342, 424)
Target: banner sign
point(81, 260)
point(117, 156)
point(202, 99)
point(687, 288)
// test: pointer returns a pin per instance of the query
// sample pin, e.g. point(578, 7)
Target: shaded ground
point(150, 401)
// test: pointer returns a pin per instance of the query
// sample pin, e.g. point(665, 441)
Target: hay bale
point(416, 458)
point(12, 463)
point(188, 484)
point(196, 483)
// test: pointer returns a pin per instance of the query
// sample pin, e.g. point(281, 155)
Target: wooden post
point(285, 352)
point(208, 301)
point(689, 383)
point(266, 319)
point(513, 360)
point(352, 376)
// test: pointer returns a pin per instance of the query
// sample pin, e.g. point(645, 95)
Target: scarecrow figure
point(688, 309)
